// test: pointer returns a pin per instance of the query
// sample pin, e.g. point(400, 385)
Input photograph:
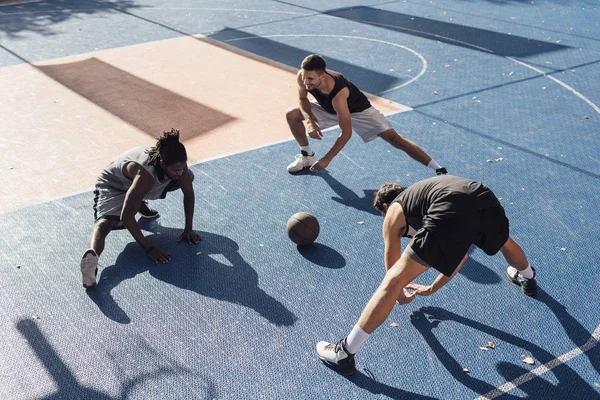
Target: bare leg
point(101, 229)
point(295, 121)
point(514, 255)
point(382, 302)
point(407, 146)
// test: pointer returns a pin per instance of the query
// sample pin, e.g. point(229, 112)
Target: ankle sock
point(355, 339)
point(527, 273)
point(306, 151)
point(433, 165)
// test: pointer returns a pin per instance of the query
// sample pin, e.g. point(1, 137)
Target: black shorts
point(445, 238)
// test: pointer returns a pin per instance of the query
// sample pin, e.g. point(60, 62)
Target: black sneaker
point(441, 171)
point(528, 286)
point(146, 211)
point(336, 356)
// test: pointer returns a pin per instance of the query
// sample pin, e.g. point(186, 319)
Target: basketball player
point(136, 175)
point(341, 103)
point(444, 216)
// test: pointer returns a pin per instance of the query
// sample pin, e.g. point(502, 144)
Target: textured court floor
point(501, 92)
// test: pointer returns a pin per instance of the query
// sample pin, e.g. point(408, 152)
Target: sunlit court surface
point(502, 92)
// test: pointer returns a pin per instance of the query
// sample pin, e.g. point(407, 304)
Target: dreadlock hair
point(385, 195)
point(168, 148)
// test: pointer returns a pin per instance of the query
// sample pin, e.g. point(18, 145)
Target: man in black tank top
point(339, 102)
point(444, 216)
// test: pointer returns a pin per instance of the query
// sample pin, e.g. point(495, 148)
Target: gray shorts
point(368, 124)
point(108, 201)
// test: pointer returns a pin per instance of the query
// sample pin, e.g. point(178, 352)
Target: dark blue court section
point(238, 315)
point(504, 92)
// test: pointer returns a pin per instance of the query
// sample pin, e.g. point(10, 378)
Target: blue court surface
point(502, 92)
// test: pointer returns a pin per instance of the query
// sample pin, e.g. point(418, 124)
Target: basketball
point(302, 228)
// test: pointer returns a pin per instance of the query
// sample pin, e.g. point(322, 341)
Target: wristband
point(149, 249)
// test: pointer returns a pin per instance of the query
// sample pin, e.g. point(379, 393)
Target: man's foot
point(441, 171)
point(302, 161)
point(528, 286)
point(89, 269)
point(336, 356)
point(146, 211)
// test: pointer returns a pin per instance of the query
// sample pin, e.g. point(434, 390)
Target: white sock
point(527, 273)
point(355, 339)
point(433, 165)
point(307, 150)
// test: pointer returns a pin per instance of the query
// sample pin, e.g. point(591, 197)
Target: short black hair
point(314, 62)
point(386, 195)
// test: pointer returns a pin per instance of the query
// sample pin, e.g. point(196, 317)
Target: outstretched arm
point(185, 181)
point(312, 127)
point(141, 185)
point(340, 105)
point(438, 283)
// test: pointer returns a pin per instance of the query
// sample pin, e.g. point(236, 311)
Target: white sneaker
point(337, 357)
point(89, 269)
point(301, 162)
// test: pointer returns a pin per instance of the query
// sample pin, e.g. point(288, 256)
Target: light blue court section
point(505, 93)
point(238, 315)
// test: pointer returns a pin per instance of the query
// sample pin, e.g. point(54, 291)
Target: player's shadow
point(345, 196)
point(369, 383)
point(66, 385)
point(322, 255)
point(476, 272)
point(427, 319)
point(219, 272)
point(580, 336)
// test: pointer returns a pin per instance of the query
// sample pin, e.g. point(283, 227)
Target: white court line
point(414, 78)
point(569, 88)
point(561, 83)
point(542, 369)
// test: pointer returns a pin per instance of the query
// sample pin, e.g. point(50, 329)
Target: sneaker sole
point(516, 282)
point(336, 367)
point(150, 216)
point(87, 262)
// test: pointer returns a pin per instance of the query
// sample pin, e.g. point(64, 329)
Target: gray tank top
point(113, 177)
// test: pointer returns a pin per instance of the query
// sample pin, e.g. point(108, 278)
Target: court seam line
point(542, 369)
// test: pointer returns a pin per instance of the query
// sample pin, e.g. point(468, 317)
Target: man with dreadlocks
point(121, 190)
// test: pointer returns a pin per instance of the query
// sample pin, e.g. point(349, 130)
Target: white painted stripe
point(542, 369)
point(569, 88)
point(351, 160)
point(423, 61)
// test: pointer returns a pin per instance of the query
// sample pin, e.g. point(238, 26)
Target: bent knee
point(294, 114)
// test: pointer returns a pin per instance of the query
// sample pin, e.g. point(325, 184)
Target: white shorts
point(368, 124)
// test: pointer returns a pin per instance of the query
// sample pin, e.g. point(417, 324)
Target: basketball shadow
point(427, 319)
point(322, 255)
point(230, 279)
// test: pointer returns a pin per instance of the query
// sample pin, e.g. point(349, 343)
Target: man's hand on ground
point(157, 255)
point(319, 165)
point(190, 236)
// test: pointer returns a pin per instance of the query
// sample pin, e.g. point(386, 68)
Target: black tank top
point(357, 101)
point(442, 198)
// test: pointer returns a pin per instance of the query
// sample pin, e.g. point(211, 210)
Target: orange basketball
point(302, 228)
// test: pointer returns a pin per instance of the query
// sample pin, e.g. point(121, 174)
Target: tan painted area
point(64, 120)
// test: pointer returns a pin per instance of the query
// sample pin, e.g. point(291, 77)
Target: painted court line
point(542, 369)
point(569, 88)
point(414, 78)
